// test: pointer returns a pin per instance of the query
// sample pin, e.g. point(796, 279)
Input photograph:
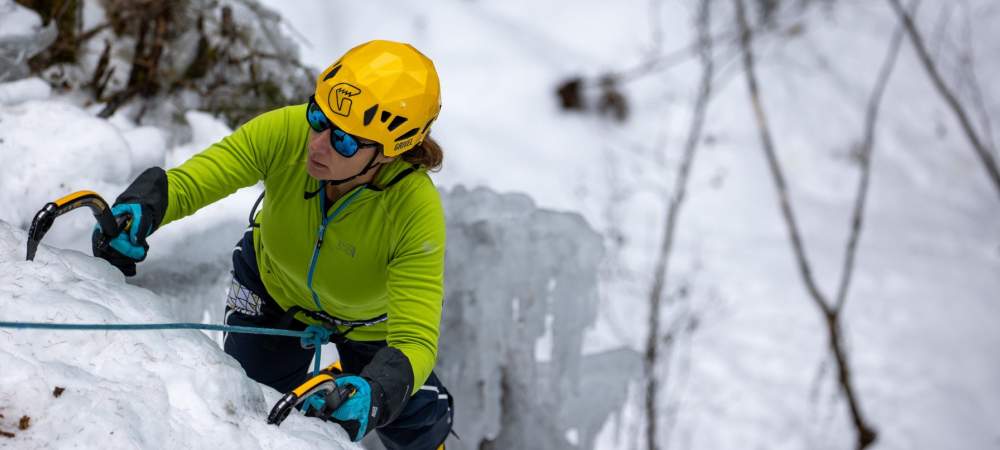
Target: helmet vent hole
point(396, 122)
point(370, 114)
point(385, 116)
point(333, 73)
point(429, 122)
point(408, 134)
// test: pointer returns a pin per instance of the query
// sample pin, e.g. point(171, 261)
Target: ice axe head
point(110, 227)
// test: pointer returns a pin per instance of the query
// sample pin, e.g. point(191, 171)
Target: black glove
point(377, 396)
point(144, 203)
point(360, 409)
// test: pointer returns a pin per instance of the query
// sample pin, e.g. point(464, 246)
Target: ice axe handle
point(112, 225)
point(337, 397)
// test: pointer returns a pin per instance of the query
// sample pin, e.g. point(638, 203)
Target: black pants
point(281, 362)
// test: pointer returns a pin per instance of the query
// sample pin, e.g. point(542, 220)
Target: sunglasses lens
point(316, 118)
point(344, 143)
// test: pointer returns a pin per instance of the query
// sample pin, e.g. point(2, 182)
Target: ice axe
point(318, 394)
point(110, 225)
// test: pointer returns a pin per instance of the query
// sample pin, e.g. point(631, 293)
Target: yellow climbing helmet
point(383, 91)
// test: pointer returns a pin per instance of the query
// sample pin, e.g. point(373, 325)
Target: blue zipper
point(321, 232)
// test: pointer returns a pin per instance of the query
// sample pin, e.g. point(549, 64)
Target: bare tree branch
point(985, 155)
point(673, 212)
point(865, 157)
point(772, 160)
point(866, 435)
point(682, 54)
point(968, 72)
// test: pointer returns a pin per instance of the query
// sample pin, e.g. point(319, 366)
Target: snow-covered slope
point(133, 389)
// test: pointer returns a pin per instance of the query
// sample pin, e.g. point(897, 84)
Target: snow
point(748, 366)
point(16, 20)
point(205, 129)
point(147, 389)
point(147, 145)
point(25, 89)
point(50, 148)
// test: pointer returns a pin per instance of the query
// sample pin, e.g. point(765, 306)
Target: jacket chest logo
point(346, 247)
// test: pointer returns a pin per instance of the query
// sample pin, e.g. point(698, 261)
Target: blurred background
point(695, 224)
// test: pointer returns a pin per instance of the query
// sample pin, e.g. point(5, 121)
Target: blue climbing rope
point(313, 336)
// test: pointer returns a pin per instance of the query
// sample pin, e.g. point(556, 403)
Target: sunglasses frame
point(345, 144)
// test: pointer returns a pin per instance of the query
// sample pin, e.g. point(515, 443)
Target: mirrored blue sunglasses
point(345, 144)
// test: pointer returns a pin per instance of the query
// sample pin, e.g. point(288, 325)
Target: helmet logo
point(340, 98)
point(401, 145)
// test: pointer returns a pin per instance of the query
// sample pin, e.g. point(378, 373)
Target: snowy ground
point(751, 369)
point(150, 389)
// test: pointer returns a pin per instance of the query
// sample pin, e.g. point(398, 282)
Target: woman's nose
point(318, 141)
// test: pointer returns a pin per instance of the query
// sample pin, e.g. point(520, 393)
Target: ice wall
point(521, 288)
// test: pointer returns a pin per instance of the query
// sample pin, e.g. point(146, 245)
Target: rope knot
point(314, 336)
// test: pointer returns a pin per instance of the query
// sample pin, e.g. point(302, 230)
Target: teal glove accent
point(353, 414)
point(131, 244)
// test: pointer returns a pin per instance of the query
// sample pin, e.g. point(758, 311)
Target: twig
point(676, 56)
point(772, 159)
point(159, 41)
point(866, 435)
point(673, 212)
point(865, 157)
point(985, 156)
point(972, 81)
point(116, 101)
point(86, 35)
point(101, 73)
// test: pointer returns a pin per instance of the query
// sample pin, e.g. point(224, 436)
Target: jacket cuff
point(390, 369)
point(150, 191)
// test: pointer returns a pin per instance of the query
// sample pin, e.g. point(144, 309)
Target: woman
point(351, 237)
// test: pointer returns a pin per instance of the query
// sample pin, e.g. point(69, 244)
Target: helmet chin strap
point(371, 164)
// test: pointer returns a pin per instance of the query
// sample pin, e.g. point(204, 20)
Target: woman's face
point(324, 163)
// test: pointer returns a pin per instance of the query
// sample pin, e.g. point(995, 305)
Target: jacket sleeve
point(238, 160)
point(416, 283)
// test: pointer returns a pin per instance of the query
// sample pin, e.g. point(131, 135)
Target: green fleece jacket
point(382, 254)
